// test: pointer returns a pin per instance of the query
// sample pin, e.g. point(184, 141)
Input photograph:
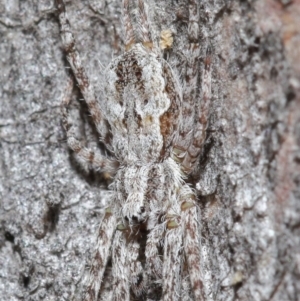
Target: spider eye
point(134, 218)
point(138, 74)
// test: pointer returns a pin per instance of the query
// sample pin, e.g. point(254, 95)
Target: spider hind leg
point(105, 238)
point(191, 245)
point(172, 265)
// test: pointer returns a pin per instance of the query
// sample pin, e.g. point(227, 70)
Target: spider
point(155, 130)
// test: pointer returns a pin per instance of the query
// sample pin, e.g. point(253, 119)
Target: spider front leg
point(193, 131)
point(76, 65)
point(96, 159)
point(202, 118)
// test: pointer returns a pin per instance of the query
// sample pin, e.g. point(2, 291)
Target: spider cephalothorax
point(156, 130)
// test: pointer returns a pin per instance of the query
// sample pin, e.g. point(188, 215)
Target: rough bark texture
point(250, 169)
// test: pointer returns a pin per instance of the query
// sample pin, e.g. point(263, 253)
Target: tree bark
point(249, 187)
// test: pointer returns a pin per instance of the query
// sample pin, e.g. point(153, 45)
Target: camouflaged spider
point(155, 129)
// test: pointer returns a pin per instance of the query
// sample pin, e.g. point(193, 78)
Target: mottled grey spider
point(155, 128)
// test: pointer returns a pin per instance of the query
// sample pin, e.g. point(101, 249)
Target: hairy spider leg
point(156, 227)
point(192, 78)
point(95, 159)
point(190, 91)
point(185, 285)
point(78, 70)
point(153, 261)
point(144, 27)
point(191, 245)
point(137, 276)
point(105, 237)
point(192, 133)
point(182, 239)
point(121, 261)
point(173, 238)
point(129, 36)
point(203, 111)
point(172, 265)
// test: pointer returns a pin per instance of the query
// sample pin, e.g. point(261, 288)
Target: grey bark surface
point(249, 188)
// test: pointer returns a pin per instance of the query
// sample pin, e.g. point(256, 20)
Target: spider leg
point(193, 130)
point(137, 275)
point(154, 264)
point(121, 267)
point(172, 261)
point(186, 287)
point(190, 89)
point(104, 240)
point(202, 119)
point(191, 245)
point(144, 26)
point(96, 159)
point(76, 65)
point(129, 36)
point(153, 260)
